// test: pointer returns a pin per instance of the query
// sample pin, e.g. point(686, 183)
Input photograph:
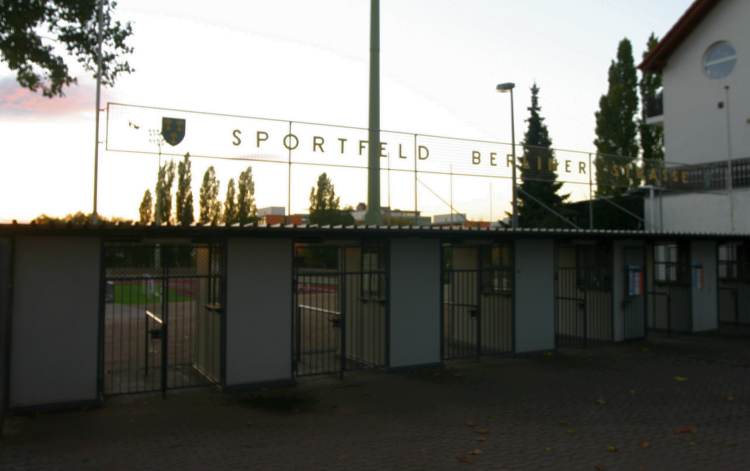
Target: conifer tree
point(230, 204)
point(246, 209)
point(616, 128)
point(164, 183)
point(210, 206)
point(538, 174)
point(185, 214)
point(146, 208)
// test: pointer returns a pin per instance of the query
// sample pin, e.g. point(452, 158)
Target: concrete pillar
point(704, 285)
point(415, 311)
point(258, 312)
point(534, 295)
point(54, 357)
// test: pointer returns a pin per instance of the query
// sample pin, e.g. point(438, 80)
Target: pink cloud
point(18, 101)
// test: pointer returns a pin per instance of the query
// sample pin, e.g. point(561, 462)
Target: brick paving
point(667, 403)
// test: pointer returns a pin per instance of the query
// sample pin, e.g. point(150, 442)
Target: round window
point(719, 60)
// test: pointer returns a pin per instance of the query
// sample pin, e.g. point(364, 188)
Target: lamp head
point(505, 87)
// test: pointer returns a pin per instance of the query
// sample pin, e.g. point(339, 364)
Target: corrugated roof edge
point(194, 230)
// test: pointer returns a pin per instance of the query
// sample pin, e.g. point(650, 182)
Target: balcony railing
point(713, 176)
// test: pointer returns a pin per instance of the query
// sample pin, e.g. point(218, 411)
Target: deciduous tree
point(34, 32)
point(210, 206)
point(185, 214)
point(146, 210)
point(230, 204)
point(246, 211)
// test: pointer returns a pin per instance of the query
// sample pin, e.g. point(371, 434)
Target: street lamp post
point(502, 88)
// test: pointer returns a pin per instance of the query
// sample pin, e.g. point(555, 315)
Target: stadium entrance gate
point(162, 321)
point(584, 311)
point(340, 308)
point(477, 300)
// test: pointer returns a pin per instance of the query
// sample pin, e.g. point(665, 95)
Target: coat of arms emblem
point(173, 130)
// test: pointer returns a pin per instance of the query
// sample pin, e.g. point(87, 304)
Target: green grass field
point(139, 293)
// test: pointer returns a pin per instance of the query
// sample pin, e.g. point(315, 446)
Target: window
point(496, 269)
point(593, 267)
point(373, 273)
point(671, 263)
point(719, 60)
point(728, 262)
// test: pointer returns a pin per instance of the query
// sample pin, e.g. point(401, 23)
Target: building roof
point(657, 59)
point(126, 231)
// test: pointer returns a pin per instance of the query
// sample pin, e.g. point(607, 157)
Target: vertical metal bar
point(289, 178)
point(416, 187)
point(591, 195)
point(165, 323)
point(342, 322)
point(99, 38)
point(479, 311)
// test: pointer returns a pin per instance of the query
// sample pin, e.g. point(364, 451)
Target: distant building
point(392, 216)
point(455, 219)
point(277, 215)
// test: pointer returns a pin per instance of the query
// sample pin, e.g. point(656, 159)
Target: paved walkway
point(670, 403)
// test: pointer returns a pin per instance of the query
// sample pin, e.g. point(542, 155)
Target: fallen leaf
point(730, 397)
point(571, 430)
point(686, 429)
point(548, 449)
point(612, 449)
point(475, 451)
point(680, 379)
point(599, 467)
point(601, 401)
point(482, 439)
point(645, 444)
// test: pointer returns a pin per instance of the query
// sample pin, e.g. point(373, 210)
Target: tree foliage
point(325, 206)
point(538, 174)
point(616, 129)
point(652, 137)
point(146, 210)
point(210, 206)
point(164, 182)
point(230, 204)
point(33, 32)
point(246, 209)
point(185, 211)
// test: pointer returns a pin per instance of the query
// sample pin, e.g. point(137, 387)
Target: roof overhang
point(657, 59)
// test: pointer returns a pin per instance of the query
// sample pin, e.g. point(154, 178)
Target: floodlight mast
point(373, 215)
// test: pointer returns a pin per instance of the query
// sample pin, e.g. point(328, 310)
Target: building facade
point(704, 61)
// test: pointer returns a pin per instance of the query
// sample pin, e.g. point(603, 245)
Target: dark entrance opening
point(584, 312)
point(734, 283)
point(340, 308)
point(162, 322)
point(477, 300)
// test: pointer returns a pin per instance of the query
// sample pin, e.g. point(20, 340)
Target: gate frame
point(221, 243)
point(666, 242)
point(563, 243)
point(478, 245)
point(341, 272)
